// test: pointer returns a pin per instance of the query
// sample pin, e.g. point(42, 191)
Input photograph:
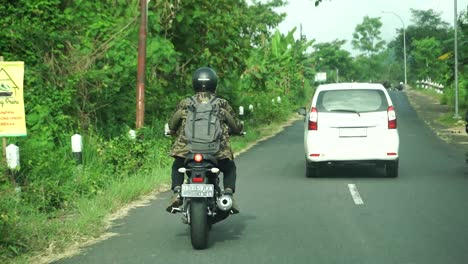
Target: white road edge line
point(355, 194)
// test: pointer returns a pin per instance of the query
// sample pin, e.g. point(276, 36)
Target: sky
point(337, 19)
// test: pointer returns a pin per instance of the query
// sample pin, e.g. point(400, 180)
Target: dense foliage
point(80, 77)
point(366, 37)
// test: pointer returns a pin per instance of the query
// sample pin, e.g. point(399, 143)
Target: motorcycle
point(203, 201)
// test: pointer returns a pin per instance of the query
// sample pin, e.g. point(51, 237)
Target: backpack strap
point(192, 105)
point(212, 102)
point(213, 99)
point(192, 99)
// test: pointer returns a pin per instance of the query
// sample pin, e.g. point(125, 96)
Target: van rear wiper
point(345, 111)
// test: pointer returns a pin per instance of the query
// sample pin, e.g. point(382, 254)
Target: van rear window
point(358, 100)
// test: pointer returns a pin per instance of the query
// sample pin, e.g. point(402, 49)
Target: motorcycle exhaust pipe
point(224, 202)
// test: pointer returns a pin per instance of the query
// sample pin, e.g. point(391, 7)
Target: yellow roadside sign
point(12, 116)
point(445, 56)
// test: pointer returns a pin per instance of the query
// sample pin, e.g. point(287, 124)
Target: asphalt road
point(419, 217)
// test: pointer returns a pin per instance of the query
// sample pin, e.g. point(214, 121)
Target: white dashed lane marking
point(355, 194)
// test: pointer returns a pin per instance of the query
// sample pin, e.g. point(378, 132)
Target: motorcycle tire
point(198, 223)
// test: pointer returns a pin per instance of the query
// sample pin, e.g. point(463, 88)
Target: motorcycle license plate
point(197, 190)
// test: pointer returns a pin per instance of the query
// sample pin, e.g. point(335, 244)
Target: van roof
point(343, 86)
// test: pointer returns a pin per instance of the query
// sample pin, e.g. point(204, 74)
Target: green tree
point(376, 68)
point(463, 55)
point(332, 58)
point(425, 24)
point(463, 40)
point(216, 33)
point(428, 22)
point(220, 33)
point(317, 2)
point(278, 68)
point(366, 36)
point(425, 54)
point(392, 69)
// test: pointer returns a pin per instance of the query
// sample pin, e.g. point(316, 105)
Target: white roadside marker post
point(77, 146)
point(13, 161)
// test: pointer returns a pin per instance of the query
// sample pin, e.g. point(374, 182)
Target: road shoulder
point(430, 110)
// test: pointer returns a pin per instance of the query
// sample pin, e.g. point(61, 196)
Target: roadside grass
point(88, 220)
point(448, 120)
point(430, 93)
point(63, 233)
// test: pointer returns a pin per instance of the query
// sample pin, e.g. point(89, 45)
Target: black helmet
point(204, 80)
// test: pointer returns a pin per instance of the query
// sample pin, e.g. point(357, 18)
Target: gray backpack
point(203, 128)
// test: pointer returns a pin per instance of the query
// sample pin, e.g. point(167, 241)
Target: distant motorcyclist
point(400, 86)
point(204, 82)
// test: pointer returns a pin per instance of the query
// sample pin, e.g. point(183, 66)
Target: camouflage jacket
point(231, 125)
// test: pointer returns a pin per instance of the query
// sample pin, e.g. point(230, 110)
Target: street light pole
point(455, 26)
point(404, 41)
point(404, 49)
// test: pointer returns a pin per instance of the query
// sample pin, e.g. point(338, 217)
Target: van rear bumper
point(344, 163)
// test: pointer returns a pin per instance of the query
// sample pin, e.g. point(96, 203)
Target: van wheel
point(312, 172)
point(391, 168)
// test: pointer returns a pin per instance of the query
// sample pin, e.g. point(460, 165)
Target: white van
point(351, 123)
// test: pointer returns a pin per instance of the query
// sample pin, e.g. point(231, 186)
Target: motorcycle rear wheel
point(199, 223)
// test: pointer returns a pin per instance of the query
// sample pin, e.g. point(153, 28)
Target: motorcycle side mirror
point(302, 111)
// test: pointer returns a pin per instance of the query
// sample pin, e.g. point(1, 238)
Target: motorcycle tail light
point(197, 180)
point(198, 157)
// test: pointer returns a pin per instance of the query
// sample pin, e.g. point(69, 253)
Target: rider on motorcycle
point(204, 82)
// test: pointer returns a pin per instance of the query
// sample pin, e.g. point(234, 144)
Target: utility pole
point(404, 51)
point(140, 96)
point(455, 26)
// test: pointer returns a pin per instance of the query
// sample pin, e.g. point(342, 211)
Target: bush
point(12, 240)
point(125, 156)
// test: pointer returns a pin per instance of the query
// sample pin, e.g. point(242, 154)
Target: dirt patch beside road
point(430, 111)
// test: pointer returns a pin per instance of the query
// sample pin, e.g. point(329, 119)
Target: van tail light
point(392, 123)
point(313, 119)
